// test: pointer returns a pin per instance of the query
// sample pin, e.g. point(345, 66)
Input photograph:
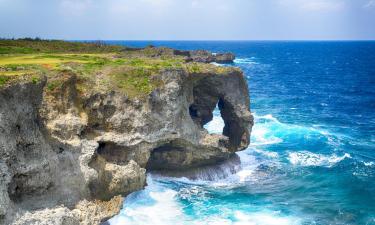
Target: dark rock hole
point(168, 156)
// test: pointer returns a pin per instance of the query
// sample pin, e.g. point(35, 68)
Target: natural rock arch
point(230, 93)
point(230, 99)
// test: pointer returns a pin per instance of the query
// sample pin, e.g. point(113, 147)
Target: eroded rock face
point(207, 57)
point(201, 56)
point(65, 155)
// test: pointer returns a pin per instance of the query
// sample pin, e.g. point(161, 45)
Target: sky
point(188, 19)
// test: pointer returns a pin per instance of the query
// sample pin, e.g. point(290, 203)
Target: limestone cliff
point(66, 155)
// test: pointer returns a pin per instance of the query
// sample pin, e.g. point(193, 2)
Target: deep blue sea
point(312, 155)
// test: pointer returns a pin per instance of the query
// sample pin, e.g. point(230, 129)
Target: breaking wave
point(268, 130)
point(160, 205)
point(216, 125)
point(250, 61)
point(306, 158)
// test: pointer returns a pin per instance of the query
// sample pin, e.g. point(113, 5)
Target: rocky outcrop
point(204, 56)
point(200, 56)
point(66, 154)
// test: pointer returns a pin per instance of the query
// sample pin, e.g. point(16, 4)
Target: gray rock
point(65, 153)
point(204, 56)
point(200, 56)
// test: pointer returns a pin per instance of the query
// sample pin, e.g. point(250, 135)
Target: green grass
point(33, 46)
point(138, 77)
point(16, 73)
point(42, 59)
point(135, 82)
point(97, 66)
point(4, 80)
point(53, 84)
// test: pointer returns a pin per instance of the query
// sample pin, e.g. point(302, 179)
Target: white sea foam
point(161, 209)
point(161, 206)
point(261, 133)
point(216, 64)
point(245, 174)
point(268, 130)
point(267, 116)
point(266, 153)
point(306, 158)
point(215, 126)
point(245, 61)
point(264, 218)
point(249, 165)
point(226, 175)
point(369, 164)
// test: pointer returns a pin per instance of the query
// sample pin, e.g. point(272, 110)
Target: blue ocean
point(312, 154)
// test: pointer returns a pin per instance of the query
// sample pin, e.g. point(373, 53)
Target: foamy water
point(306, 158)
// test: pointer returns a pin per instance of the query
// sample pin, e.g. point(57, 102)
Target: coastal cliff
point(73, 140)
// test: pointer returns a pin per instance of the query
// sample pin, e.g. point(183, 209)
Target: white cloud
point(315, 5)
point(158, 3)
point(75, 7)
point(370, 4)
point(189, 19)
point(322, 6)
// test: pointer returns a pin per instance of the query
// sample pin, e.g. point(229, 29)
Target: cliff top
point(99, 66)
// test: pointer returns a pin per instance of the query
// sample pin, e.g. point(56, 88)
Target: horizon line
point(218, 40)
point(197, 40)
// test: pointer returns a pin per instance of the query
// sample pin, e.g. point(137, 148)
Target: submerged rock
point(65, 154)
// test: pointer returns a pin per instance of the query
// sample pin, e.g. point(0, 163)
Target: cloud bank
point(189, 19)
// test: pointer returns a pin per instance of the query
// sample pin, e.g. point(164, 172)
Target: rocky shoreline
point(67, 157)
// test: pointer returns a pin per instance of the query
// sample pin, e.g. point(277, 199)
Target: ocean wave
point(268, 130)
point(369, 164)
point(306, 158)
point(252, 168)
point(158, 208)
point(216, 64)
point(265, 218)
point(228, 174)
point(261, 133)
point(160, 205)
point(205, 174)
point(266, 153)
point(245, 61)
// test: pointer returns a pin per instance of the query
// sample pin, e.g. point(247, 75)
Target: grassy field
point(133, 76)
point(32, 46)
point(97, 66)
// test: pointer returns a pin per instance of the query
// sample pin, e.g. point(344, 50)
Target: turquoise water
point(312, 156)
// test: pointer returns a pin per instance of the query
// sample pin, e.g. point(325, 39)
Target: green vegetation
point(97, 66)
point(133, 81)
point(33, 46)
point(4, 80)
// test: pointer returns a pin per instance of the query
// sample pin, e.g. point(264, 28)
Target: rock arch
point(231, 95)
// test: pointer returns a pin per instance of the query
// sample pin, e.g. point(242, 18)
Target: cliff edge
point(77, 135)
